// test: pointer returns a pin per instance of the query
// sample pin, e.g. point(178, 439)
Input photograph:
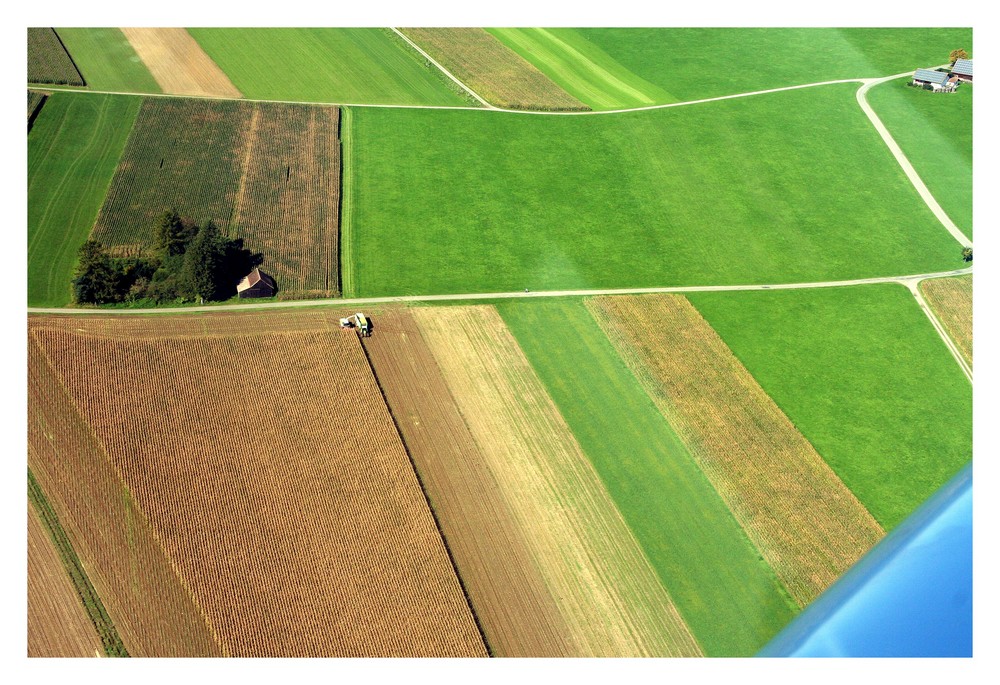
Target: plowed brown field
point(273, 478)
point(605, 589)
point(517, 613)
point(808, 525)
point(178, 63)
point(951, 300)
point(58, 625)
point(493, 70)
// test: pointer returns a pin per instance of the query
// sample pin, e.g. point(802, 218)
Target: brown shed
point(256, 284)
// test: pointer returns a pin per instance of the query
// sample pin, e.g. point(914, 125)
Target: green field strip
point(727, 594)
point(863, 374)
point(334, 65)
point(695, 63)
point(788, 187)
point(581, 69)
point(108, 61)
point(934, 130)
point(346, 239)
point(103, 624)
point(73, 148)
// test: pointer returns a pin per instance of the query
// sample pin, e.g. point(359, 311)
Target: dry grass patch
point(605, 589)
point(518, 615)
point(273, 478)
point(951, 300)
point(58, 625)
point(178, 63)
point(493, 70)
point(806, 523)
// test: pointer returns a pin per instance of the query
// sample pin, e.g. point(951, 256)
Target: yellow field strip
point(806, 523)
point(178, 63)
point(604, 587)
point(951, 300)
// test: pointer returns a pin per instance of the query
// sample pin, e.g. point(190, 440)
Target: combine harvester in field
point(360, 322)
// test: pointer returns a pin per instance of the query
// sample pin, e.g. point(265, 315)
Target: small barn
point(938, 80)
point(962, 69)
point(256, 284)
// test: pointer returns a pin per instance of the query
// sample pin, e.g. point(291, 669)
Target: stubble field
point(951, 300)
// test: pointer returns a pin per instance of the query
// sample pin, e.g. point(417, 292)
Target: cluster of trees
point(188, 263)
point(957, 55)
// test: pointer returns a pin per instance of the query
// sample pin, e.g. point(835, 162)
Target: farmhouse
point(256, 284)
point(962, 70)
point(938, 80)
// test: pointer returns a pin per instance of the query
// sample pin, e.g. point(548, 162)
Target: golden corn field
point(271, 476)
point(265, 172)
point(797, 512)
point(951, 300)
point(603, 586)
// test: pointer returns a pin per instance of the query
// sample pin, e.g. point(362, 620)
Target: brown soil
point(272, 475)
point(178, 63)
point(518, 615)
point(58, 625)
point(807, 524)
point(602, 584)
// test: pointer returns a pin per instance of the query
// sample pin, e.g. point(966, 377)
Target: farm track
point(951, 301)
point(240, 496)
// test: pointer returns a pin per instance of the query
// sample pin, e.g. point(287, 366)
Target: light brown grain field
point(803, 519)
point(518, 614)
point(602, 584)
point(262, 453)
point(58, 625)
point(951, 300)
point(178, 63)
point(492, 70)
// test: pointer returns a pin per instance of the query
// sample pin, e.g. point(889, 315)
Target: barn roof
point(930, 76)
point(963, 67)
point(253, 278)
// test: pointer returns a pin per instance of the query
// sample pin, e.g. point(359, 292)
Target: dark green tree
point(96, 278)
point(967, 254)
point(172, 234)
point(203, 260)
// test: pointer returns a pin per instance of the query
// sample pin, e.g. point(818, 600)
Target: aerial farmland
point(484, 342)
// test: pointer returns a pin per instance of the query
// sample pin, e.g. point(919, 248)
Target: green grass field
point(729, 597)
point(108, 61)
point(934, 130)
point(786, 187)
point(618, 68)
point(73, 149)
point(326, 65)
point(865, 377)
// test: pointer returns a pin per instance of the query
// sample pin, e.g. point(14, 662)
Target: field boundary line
point(488, 107)
point(437, 64)
point(388, 299)
point(897, 152)
point(914, 287)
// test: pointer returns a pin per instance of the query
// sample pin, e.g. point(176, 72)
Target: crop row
point(48, 61)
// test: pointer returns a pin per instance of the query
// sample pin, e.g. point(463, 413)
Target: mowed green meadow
point(865, 377)
point(612, 68)
point(785, 187)
point(108, 61)
point(729, 596)
point(335, 65)
point(73, 149)
point(934, 131)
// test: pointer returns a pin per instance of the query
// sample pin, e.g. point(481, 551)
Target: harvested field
point(178, 63)
point(48, 61)
point(605, 589)
point(267, 173)
point(493, 70)
point(289, 510)
point(35, 102)
point(951, 300)
point(57, 623)
point(807, 524)
point(516, 611)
